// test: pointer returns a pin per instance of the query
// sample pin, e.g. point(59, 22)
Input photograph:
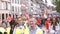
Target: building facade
point(4, 9)
point(16, 7)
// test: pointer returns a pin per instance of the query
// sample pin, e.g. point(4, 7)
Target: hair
point(5, 23)
point(53, 22)
point(19, 17)
point(5, 32)
point(33, 18)
point(30, 15)
point(0, 32)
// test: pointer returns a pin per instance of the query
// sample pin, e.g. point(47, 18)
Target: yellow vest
point(18, 30)
point(26, 24)
point(2, 30)
point(8, 30)
point(26, 31)
point(38, 31)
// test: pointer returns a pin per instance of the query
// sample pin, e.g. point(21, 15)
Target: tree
point(57, 4)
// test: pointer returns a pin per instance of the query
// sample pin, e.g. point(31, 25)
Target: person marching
point(19, 28)
point(33, 28)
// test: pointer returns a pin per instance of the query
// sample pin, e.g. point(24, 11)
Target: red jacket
point(47, 24)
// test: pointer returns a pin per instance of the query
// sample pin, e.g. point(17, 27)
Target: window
point(16, 16)
point(8, 6)
point(17, 1)
point(3, 5)
point(15, 9)
point(13, 1)
point(13, 16)
point(18, 9)
point(10, 15)
point(6, 15)
point(2, 16)
point(45, 1)
point(12, 8)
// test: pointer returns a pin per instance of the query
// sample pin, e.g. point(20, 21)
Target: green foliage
point(57, 3)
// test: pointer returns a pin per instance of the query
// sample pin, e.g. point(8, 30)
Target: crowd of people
point(44, 24)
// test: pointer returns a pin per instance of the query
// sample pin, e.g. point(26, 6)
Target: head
point(54, 21)
point(49, 15)
point(54, 16)
point(48, 18)
point(19, 20)
point(32, 22)
point(4, 25)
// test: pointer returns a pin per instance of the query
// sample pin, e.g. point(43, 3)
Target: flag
point(8, 18)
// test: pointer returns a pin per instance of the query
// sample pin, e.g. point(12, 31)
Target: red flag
point(9, 18)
